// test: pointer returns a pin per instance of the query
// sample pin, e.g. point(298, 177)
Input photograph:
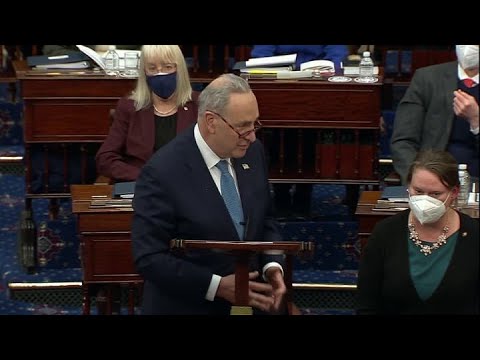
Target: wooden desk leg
point(109, 299)
point(131, 299)
point(86, 300)
point(241, 306)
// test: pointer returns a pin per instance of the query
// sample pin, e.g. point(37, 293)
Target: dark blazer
point(424, 116)
point(131, 138)
point(176, 197)
point(384, 282)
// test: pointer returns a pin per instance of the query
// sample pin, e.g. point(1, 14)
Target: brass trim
point(241, 310)
point(319, 286)
point(50, 285)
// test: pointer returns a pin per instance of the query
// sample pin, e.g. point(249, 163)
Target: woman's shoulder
point(195, 95)
point(126, 104)
point(469, 222)
point(388, 223)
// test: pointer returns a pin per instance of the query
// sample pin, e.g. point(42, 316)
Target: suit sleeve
point(109, 158)
point(370, 276)
point(408, 125)
point(336, 53)
point(263, 50)
point(154, 224)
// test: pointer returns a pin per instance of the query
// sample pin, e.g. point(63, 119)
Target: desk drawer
point(105, 222)
point(67, 120)
point(347, 107)
point(77, 87)
point(107, 257)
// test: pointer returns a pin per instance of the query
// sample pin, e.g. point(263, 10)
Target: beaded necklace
point(164, 112)
point(427, 249)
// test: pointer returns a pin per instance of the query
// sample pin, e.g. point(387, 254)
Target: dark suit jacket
point(384, 282)
point(131, 138)
point(176, 197)
point(424, 116)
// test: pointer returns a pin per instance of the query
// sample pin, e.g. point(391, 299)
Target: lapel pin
point(185, 108)
point(245, 166)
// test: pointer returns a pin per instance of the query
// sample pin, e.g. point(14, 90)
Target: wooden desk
point(367, 218)
point(105, 243)
point(326, 112)
point(65, 109)
point(75, 108)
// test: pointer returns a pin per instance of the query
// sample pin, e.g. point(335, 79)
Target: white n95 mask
point(426, 208)
point(467, 56)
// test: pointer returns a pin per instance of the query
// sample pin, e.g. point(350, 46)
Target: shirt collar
point(462, 75)
point(211, 159)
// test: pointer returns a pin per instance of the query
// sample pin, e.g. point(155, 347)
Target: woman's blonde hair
point(142, 95)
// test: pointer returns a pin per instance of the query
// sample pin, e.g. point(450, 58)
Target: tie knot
point(223, 166)
point(469, 82)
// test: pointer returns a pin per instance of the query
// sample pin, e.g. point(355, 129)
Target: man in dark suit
point(440, 111)
point(179, 195)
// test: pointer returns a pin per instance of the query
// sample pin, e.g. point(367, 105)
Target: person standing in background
point(440, 111)
point(335, 53)
point(162, 105)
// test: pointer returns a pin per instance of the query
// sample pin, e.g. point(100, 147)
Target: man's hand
point(465, 106)
point(275, 278)
point(260, 295)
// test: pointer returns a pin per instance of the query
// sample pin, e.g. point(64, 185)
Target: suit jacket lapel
point(243, 180)
point(203, 180)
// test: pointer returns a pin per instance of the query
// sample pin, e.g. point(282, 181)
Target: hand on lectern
point(261, 295)
point(275, 278)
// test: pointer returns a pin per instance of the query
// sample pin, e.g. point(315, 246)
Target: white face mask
point(467, 56)
point(426, 208)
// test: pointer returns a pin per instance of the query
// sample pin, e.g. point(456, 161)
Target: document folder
point(58, 59)
point(124, 189)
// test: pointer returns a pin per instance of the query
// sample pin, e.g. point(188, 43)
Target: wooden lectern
point(243, 250)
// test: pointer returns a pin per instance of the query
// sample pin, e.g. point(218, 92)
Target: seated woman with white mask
point(424, 260)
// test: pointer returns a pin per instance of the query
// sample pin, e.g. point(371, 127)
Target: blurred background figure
point(162, 105)
point(335, 53)
point(440, 110)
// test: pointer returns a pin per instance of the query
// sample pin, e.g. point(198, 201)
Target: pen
point(58, 57)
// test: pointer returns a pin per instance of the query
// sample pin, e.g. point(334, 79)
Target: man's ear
point(209, 121)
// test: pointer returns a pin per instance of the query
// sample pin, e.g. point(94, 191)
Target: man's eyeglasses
point(256, 126)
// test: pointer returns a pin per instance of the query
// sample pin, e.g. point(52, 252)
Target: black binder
point(58, 59)
point(124, 189)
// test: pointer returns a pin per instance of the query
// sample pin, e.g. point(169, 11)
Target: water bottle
point(111, 61)
point(464, 178)
point(365, 68)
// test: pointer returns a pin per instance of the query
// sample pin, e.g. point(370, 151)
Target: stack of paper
point(265, 70)
point(271, 61)
point(92, 54)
